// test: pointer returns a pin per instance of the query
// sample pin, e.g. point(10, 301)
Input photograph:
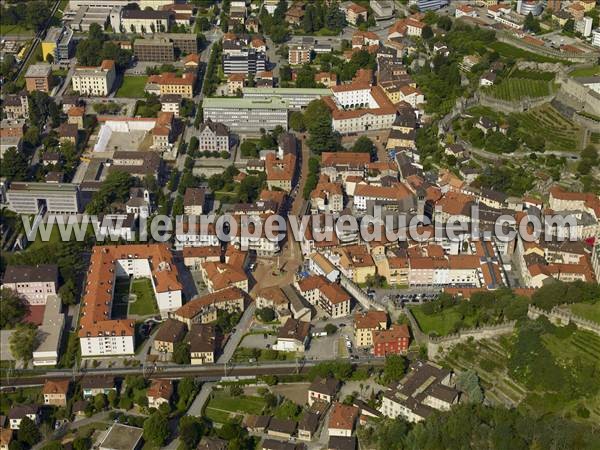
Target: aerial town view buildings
point(288, 225)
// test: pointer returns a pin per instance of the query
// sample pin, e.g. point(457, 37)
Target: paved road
point(200, 400)
point(235, 339)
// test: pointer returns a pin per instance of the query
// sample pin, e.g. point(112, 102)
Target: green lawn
point(441, 323)
point(517, 88)
point(15, 30)
point(221, 405)
point(132, 87)
point(585, 72)
point(510, 51)
point(145, 303)
point(587, 310)
point(120, 298)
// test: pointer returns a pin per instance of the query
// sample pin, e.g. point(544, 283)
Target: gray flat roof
point(286, 91)
point(41, 187)
point(38, 70)
point(245, 103)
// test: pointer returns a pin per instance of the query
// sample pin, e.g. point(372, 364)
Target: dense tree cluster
point(115, 188)
point(478, 426)
point(31, 14)
point(323, 15)
point(94, 49)
point(14, 308)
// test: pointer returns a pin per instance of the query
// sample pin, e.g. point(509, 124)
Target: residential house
point(293, 336)
point(171, 332)
point(392, 341)
point(366, 323)
point(322, 389)
point(202, 340)
point(17, 413)
point(342, 420)
point(159, 392)
point(194, 200)
point(34, 283)
point(55, 392)
point(94, 385)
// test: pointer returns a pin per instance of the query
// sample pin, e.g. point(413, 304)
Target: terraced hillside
point(548, 125)
point(513, 89)
point(489, 359)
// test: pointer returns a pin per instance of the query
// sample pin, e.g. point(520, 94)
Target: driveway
point(240, 330)
point(200, 400)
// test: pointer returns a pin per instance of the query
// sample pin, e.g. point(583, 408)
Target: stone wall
point(361, 296)
point(436, 345)
point(516, 106)
point(508, 38)
point(562, 317)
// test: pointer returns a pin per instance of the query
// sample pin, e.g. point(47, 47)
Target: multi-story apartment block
point(16, 106)
point(393, 341)
point(213, 137)
point(33, 283)
point(334, 300)
point(55, 198)
point(299, 54)
point(355, 14)
point(98, 333)
point(38, 78)
point(95, 81)
point(170, 83)
point(365, 324)
point(296, 98)
point(428, 5)
point(244, 60)
point(142, 21)
point(247, 114)
point(58, 43)
point(171, 103)
point(204, 309)
point(155, 50)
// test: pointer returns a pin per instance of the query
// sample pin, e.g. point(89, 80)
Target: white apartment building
point(34, 283)
point(95, 81)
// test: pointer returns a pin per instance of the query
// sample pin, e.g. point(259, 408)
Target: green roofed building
point(297, 98)
point(247, 114)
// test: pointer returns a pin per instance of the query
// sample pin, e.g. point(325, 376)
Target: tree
point(297, 121)
point(100, 402)
point(191, 430)
point(427, 32)
point(330, 329)
point(14, 165)
point(468, 382)
point(445, 23)
point(23, 341)
point(531, 24)
point(53, 445)
point(82, 443)
point(265, 314)
point(318, 123)
point(394, 368)
point(13, 309)
point(364, 145)
point(114, 188)
point(181, 353)
point(29, 432)
point(186, 388)
point(235, 390)
point(305, 77)
point(285, 73)
point(156, 429)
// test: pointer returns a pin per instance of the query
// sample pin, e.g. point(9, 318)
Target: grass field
point(120, 298)
point(518, 88)
point(132, 87)
point(221, 406)
point(547, 124)
point(6, 30)
point(510, 51)
point(441, 323)
point(145, 303)
point(585, 72)
point(587, 310)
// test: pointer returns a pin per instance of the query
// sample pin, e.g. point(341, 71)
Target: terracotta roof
point(370, 319)
point(294, 329)
point(201, 252)
point(76, 111)
point(398, 191)
point(334, 293)
point(342, 416)
point(192, 308)
point(98, 290)
point(329, 159)
point(107, 64)
point(393, 334)
point(160, 389)
point(357, 9)
point(311, 282)
point(56, 387)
